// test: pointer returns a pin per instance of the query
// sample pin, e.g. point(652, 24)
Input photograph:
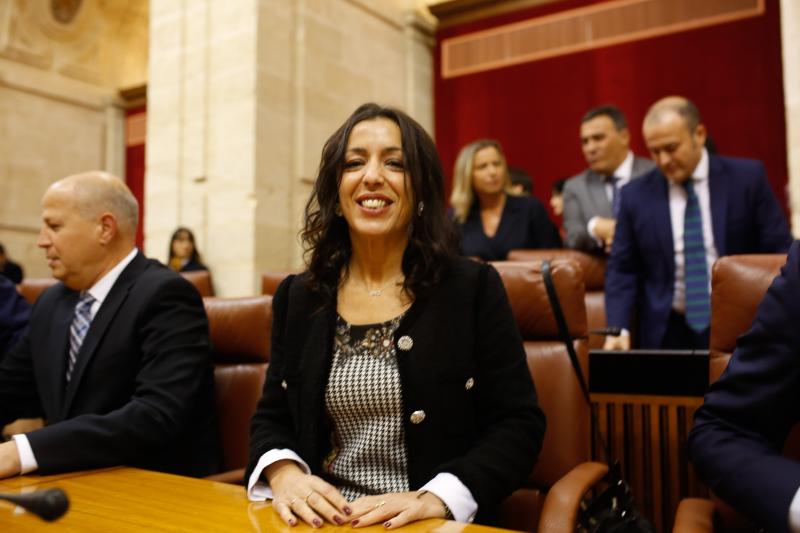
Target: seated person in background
point(493, 222)
point(741, 428)
point(674, 222)
point(183, 254)
point(116, 357)
point(398, 388)
point(521, 182)
point(591, 197)
point(9, 268)
point(14, 315)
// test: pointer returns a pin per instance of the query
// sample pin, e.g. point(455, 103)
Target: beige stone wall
point(58, 108)
point(790, 40)
point(242, 96)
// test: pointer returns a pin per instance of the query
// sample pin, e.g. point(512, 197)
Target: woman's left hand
point(395, 509)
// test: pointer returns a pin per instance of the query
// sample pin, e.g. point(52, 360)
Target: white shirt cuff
point(455, 495)
point(590, 228)
point(27, 460)
point(794, 513)
point(259, 490)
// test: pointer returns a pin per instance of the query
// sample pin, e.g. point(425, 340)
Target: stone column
point(790, 44)
point(242, 96)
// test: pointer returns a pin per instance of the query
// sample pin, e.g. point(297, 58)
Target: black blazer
point(523, 224)
point(141, 393)
point(488, 435)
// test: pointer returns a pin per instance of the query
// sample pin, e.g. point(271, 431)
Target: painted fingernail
point(347, 510)
point(317, 522)
point(387, 525)
point(292, 522)
point(354, 523)
point(337, 520)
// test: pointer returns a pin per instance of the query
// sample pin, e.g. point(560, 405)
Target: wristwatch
point(448, 514)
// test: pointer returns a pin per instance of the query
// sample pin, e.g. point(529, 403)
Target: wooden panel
point(585, 28)
point(648, 435)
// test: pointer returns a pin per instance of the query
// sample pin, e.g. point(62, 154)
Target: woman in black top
point(397, 388)
point(493, 222)
point(183, 254)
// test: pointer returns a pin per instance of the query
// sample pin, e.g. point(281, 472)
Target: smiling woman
point(358, 421)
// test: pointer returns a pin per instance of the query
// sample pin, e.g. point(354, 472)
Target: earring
point(338, 209)
point(420, 208)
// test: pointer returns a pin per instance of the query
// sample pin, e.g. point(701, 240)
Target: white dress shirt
point(677, 210)
point(446, 487)
point(99, 291)
point(623, 173)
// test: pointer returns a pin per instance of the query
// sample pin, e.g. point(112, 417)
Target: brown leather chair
point(594, 278)
point(31, 288)
point(738, 284)
point(240, 331)
point(201, 279)
point(550, 499)
point(271, 280)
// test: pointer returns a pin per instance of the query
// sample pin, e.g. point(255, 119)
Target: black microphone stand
point(49, 504)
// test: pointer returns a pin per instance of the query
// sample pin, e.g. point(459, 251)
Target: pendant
point(376, 292)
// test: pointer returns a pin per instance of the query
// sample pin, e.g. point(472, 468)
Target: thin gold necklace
point(379, 291)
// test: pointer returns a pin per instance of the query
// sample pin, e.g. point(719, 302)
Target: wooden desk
point(129, 499)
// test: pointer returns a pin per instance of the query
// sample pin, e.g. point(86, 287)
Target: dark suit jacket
point(640, 275)
point(585, 198)
point(12, 271)
point(141, 393)
point(488, 436)
point(523, 224)
point(739, 431)
point(14, 315)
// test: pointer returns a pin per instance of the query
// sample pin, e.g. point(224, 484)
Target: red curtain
point(732, 71)
point(134, 163)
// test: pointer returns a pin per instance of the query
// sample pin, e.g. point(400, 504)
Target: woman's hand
point(396, 509)
point(297, 494)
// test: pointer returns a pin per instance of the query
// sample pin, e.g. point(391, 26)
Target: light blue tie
point(698, 309)
point(78, 328)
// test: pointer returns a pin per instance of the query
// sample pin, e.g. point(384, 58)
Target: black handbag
point(613, 510)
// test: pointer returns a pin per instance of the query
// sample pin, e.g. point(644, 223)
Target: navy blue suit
point(523, 224)
point(14, 315)
point(640, 275)
point(739, 431)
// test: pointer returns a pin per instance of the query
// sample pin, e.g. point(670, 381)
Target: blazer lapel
point(57, 353)
point(100, 324)
point(718, 200)
point(662, 219)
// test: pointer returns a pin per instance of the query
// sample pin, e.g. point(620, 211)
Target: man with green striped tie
point(674, 222)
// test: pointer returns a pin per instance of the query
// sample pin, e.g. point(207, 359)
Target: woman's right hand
point(297, 494)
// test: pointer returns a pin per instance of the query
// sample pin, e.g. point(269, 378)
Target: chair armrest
point(234, 477)
point(22, 425)
point(694, 515)
point(560, 510)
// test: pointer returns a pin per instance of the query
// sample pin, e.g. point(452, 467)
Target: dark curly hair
point(432, 239)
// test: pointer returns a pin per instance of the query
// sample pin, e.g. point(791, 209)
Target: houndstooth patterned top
point(364, 403)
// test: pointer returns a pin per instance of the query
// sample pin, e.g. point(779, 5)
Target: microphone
point(47, 504)
point(612, 331)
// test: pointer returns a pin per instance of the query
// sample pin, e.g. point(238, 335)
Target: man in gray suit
point(589, 197)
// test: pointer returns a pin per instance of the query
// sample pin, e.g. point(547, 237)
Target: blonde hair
point(463, 195)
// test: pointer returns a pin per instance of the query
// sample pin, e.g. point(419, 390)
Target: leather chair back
point(567, 439)
point(240, 330)
point(271, 280)
point(31, 288)
point(738, 284)
point(593, 268)
point(201, 279)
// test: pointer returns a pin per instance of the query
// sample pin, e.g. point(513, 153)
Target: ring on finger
point(308, 496)
point(379, 504)
point(293, 500)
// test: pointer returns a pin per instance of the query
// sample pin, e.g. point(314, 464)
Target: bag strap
point(566, 338)
point(555, 304)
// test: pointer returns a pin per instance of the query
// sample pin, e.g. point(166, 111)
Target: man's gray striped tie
point(78, 329)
